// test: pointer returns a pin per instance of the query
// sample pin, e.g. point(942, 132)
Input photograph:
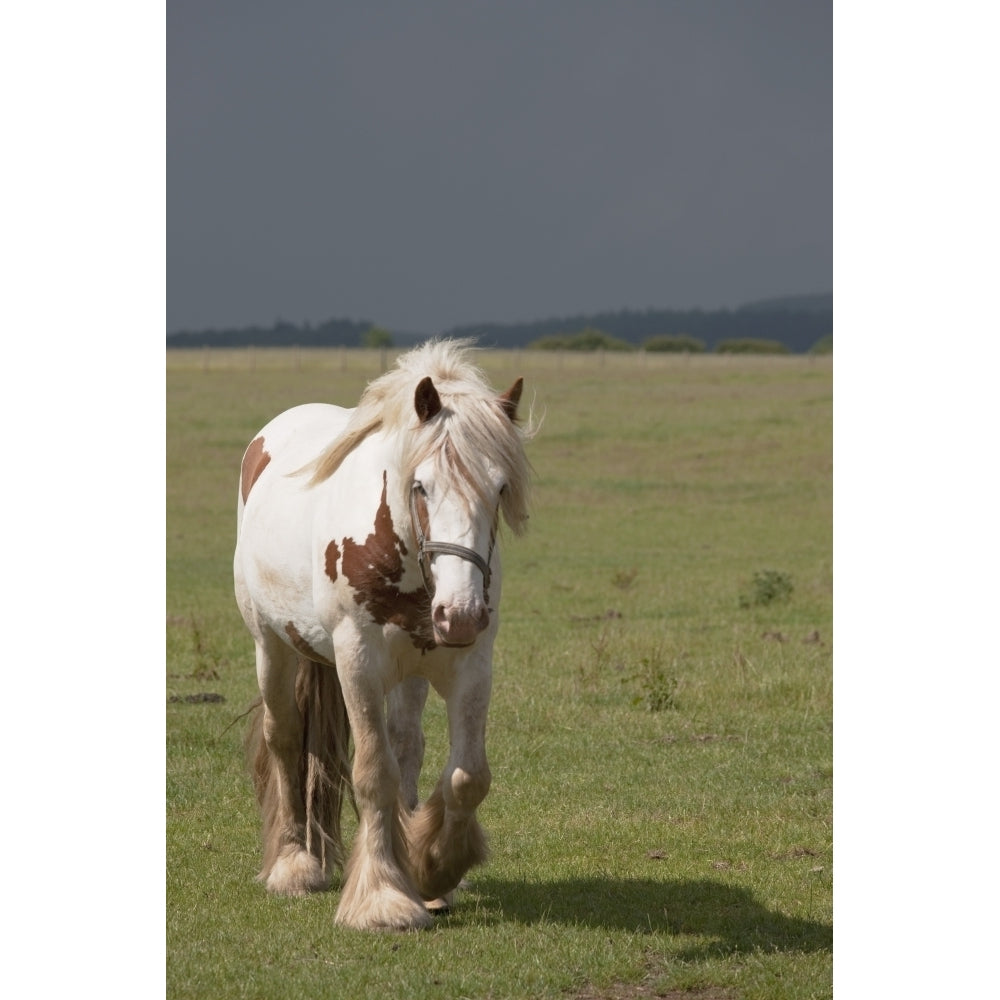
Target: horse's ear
point(426, 400)
point(511, 398)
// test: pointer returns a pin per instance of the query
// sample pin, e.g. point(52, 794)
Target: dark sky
point(424, 165)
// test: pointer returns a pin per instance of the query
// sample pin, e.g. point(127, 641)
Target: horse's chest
point(369, 571)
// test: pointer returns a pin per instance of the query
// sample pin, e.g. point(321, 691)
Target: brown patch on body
point(255, 461)
point(302, 646)
point(375, 567)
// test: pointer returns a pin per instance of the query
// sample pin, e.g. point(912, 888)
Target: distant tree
point(588, 339)
point(823, 346)
point(750, 345)
point(679, 343)
point(552, 342)
point(376, 337)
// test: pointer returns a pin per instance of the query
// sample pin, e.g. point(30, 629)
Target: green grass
point(634, 851)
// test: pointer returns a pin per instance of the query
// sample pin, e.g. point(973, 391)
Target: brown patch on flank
point(255, 461)
point(374, 569)
point(330, 564)
point(303, 647)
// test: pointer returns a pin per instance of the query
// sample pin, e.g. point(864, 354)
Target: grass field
point(661, 727)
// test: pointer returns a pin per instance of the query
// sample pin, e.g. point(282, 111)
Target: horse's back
point(298, 435)
point(288, 442)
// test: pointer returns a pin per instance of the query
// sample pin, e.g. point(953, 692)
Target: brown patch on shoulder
point(303, 647)
point(255, 461)
point(330, 562)
point(375, 567)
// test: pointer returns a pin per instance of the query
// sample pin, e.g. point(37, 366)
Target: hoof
point(440, 906)
point(297, 873)
point(386, 910)
point(443, 904)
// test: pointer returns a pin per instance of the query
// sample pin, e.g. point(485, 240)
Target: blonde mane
point(472, 429)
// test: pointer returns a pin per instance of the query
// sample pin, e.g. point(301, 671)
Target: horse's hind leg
point(288, 868)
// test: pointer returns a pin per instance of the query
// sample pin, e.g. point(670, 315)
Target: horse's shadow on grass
point(729, 915)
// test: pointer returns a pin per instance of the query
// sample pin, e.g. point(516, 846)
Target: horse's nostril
point(449, 621)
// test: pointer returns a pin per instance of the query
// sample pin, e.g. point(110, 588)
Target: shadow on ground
point(728, 915)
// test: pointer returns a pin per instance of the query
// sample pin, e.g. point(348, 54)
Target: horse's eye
point(418, 487)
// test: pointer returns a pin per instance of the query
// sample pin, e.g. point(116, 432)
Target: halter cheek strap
point(426, 548)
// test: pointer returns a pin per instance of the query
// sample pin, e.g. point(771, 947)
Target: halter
point(426, 548)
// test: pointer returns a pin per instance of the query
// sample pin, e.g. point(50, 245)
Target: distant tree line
point(797, 325)
point(332, 333)
point(595, 340)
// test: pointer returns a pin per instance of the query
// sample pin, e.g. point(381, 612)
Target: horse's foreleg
point(405, 707)
point(445, 837)
point(288, 868)
point(378, 889)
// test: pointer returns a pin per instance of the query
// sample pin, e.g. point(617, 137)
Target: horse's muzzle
point(458, 626)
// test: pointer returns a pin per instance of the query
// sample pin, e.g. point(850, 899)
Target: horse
point(366, 570)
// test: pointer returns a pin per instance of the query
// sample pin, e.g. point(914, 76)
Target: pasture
point(660, 733)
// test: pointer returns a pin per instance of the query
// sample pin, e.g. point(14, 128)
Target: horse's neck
point(377, 460)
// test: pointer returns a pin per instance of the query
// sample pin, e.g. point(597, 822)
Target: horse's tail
point(324, 767)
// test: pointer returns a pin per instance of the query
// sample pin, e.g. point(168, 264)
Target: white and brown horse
point(366, 568)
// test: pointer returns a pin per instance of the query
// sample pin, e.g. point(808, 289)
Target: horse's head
point(455, 501)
